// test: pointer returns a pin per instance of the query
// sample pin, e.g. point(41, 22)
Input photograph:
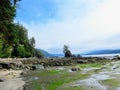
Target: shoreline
point(11, 80)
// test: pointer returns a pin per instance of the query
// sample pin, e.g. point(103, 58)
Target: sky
point(83, 25)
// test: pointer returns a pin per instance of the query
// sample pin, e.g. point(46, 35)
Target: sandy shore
point(11, 80)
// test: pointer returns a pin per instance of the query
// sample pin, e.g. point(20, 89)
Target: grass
point(90, 65)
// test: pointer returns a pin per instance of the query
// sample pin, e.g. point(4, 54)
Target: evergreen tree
point(66, 51)
point(14, 40)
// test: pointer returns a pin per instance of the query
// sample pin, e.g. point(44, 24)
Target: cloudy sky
point(83, 25)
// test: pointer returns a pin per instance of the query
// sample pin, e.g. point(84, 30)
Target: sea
point(110, 56)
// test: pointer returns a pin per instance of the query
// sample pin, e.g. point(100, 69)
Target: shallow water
point(100, 76)
point(90, 82)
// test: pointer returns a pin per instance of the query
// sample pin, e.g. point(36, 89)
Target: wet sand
point(11, 80)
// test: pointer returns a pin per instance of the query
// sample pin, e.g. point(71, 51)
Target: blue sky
point(83, 25)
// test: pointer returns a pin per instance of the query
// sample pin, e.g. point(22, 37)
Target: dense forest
point(14, 40)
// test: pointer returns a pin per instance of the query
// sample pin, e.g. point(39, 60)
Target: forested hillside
point(14, 40)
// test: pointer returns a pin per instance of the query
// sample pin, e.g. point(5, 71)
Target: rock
point(0, 66)
point(76, 68)
point(22, 73)
point(15, 65)
point(27, 67)
point(115, 66)
point(82, 61)
point(5, 65)
point(37, 67)
point(60, 68)
point(1, 80)
point(70, 70)
point(33, 68)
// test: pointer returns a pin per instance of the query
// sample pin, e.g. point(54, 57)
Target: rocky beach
point(86, 73)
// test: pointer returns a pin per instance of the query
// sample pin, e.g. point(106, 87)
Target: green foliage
point(32, 42)
point(66, 51)
point(7, 11)
point(1, 45)
point(20, 51)
point(38, 54)
point(6, 52)
point(20, 42)
point(14, 40)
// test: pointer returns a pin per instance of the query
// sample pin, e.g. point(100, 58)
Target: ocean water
point(102, 55)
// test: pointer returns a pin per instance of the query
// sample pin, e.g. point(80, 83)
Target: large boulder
point(76, 68)
point(82, 61)
point(37, 67)
point(11, 65)
point(1, 80)
point(4, 65)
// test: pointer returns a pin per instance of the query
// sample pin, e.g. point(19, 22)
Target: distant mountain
point(45, 53)
point(58, 55)
point(116, 51)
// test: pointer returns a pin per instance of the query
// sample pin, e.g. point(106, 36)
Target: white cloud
point(106, 18)
point(81, 24)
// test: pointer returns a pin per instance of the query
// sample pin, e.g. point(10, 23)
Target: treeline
point(14, 40)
